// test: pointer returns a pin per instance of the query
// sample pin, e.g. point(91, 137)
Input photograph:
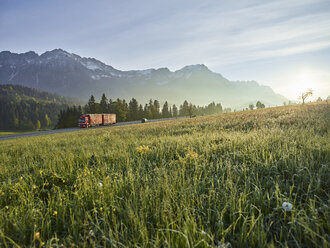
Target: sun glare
point(305, 81)
point(302, 81)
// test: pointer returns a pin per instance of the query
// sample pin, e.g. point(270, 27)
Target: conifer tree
point(140, 112)
point(133, 109)
point(119, 107)
point(125, 108)
point(165, 111)
point(147, 110)
point(111, 106)
point(190, 110)
point(156, 110)
point(184, 109)
point(104, 104)
point(91, 106)
point(219, 108)
point(175, 111)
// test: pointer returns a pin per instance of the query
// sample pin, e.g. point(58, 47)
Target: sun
point(301, 81)
point(306, 80)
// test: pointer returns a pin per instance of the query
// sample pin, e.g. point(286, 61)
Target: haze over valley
point(68, 74)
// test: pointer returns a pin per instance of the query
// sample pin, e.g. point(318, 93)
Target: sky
point(282, 43)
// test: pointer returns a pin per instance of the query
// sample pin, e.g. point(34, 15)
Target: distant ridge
point(19, 93)
point(68, 74)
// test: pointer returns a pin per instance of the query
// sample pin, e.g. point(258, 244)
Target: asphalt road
point(74, 129)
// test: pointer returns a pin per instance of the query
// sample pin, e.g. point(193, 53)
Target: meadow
point(8, 133)
point(213, 181)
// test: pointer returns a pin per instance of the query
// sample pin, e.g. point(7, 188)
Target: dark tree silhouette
point(165, 111)
point(260, 105)
point(133, 107)
point(306, 94)
point(91, 105)
point(104, 104)
point(175, 111)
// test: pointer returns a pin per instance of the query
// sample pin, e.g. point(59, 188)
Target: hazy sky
point(284, 43)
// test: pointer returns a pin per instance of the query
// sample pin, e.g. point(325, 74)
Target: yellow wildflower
point(141, 150)
point(37, 235)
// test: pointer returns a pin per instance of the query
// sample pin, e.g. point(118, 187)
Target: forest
point(23, 108)
point(132, 110)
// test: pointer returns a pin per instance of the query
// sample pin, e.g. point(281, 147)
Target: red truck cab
point(83, 121)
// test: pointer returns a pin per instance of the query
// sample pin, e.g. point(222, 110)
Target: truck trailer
point(91, 120)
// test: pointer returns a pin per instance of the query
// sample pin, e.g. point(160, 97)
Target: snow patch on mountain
point(12, 76)
point(90, 65)
point(95, 77)
point(98, 77)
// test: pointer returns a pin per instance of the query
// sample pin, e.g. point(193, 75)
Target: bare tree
point(306, 94)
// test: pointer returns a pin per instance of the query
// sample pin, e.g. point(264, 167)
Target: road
point(74, 129)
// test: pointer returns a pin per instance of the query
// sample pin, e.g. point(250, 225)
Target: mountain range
point(68, 74)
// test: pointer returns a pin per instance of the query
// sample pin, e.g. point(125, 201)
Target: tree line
point(26, 109)
point(28, 114)
point(132, 110)
point(259, 105)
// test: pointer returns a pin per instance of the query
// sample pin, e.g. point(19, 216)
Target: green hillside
point(23, 108)
point(215, 181)
point(18, 92)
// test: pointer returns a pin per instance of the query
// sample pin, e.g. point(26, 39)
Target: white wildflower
point(100, 184)
point(287, 206)
point(91, 233)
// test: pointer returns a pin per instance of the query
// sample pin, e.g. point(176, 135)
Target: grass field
point(7, 133)
point(214, 181)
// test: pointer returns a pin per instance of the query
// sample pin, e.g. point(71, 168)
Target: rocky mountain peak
point(56, 54)
point(8, 58)
point(197, 67)
point(59, 71)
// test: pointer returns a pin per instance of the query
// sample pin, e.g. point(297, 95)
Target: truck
point(91, 120)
